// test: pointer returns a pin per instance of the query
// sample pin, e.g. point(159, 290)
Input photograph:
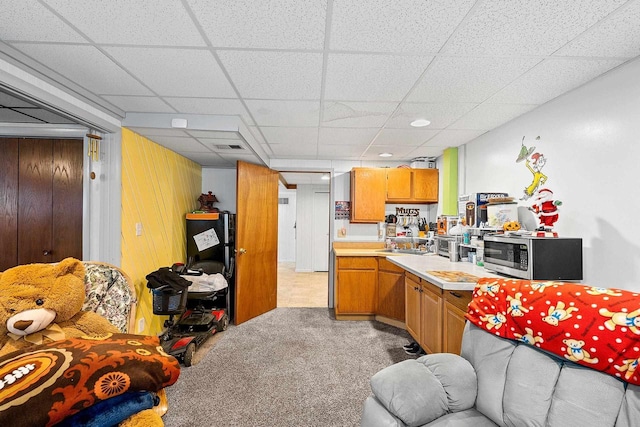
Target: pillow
point(44, 384)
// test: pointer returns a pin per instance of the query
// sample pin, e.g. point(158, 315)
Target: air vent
point(229, 147)
point(283, 201)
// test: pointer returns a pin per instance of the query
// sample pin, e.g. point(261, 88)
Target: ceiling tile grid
point(318, 79)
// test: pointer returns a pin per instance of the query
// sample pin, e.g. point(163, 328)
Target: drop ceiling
point(315, 80)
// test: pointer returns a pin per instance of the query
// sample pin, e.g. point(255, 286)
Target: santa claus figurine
point(547, 211)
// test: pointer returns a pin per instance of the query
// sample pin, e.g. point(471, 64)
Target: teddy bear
point(42, 303)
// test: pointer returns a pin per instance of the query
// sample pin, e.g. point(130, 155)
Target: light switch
point(138, 229)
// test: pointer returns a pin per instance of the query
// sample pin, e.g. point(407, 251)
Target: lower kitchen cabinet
point(435, 318)
point(390, 290)
point(356, 285)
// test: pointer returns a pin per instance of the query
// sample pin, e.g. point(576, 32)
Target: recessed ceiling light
point(385, 154)
point(418, 123)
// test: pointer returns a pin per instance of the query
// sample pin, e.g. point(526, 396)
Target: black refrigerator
point(214, 239)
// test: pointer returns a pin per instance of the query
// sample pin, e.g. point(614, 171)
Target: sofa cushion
point(630, 410)
point(457, 377)
point(469, 418)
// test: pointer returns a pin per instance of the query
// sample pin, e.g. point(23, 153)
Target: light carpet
point(288, 367)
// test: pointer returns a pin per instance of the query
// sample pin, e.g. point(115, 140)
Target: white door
point(320, 237)
point(287, 226)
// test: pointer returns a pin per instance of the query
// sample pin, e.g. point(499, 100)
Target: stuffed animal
point(42, 303)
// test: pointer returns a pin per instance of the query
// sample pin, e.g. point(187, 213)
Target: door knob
point(46, 252)
point(241, 251)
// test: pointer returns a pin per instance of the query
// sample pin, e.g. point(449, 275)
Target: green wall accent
point(449, 197)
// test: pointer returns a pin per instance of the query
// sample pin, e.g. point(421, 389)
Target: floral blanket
point(595, 327)
point(44, 384)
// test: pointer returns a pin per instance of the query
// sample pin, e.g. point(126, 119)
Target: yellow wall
point(158, 188)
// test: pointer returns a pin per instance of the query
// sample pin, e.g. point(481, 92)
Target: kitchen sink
point(405, 251)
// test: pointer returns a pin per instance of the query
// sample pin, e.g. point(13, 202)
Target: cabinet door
point(398, 184)
point(412, 307)
point(425, 185)
point(391, 295)
point(431, 319)
point(368, 191)
point(455, 307)
point(356, 292)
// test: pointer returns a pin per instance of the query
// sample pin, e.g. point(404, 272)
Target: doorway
point(303, 245)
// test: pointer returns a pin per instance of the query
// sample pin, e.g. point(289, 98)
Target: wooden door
point(412, 306)
point(35, 238)
point(8, 203)
point(256, 241)
point(41, 200)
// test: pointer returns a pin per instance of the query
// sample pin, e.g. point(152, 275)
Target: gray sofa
point(497, 381)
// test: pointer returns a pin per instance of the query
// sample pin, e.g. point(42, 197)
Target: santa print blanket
point(595, 327)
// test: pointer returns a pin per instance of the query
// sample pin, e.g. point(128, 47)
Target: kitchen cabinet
point(435, 318)
point(390, 290)
point(368, 190)
point(356, 285)
point(411, 185)
point(455, 307)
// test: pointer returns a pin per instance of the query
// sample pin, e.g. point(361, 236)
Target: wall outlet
point(141, 325)
point(138, 229)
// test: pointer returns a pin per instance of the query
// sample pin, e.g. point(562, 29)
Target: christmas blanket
point(594, 327)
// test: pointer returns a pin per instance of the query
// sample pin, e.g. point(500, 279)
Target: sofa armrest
point(420, 390)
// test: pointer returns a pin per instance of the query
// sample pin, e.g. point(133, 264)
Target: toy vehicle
point(201, 311)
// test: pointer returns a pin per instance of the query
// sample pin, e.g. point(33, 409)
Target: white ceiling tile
point(255, 132)
point(209, 159)
point(208, 106)
point(489, 116)
point(468, 79)
point(44, 115)
point(287, 151)
point(415, 26)
point(498, 27)
point(180, 144)
point(175, 72)
point(372, 77)
point(397, 150)
point(31, 21)
point(223, 144)
point(10, 116)
point(271, 24)
point(341, 152)
point(440, 115)
point(356, 114)
point(291, 135)
point(214, 134)
point(232, 156)
point(552, 78)
point(85, 66)
point(285, 113)
point(346, 136)
point(453, 138)
point(404, 137)
point(617, 36)
point(274, 75)
point(142, 104)
point(148, 22)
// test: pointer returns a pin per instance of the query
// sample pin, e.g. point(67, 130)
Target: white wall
point(222, 183)
point(590, 138)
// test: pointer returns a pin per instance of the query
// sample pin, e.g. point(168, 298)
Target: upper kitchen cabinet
point(412, 185)
point(368, 191)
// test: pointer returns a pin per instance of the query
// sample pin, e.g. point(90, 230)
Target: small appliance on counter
point(472, 208)
point(534, 258)
point(442, 245)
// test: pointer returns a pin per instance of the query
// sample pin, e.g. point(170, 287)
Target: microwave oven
point(534, 258)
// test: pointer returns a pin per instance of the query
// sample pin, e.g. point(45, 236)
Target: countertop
point(420, 265)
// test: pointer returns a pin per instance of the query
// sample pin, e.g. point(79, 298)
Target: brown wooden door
point(256, 241)
point(43, 194)
point(8, 203)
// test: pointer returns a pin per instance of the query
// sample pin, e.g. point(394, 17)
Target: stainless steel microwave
point(534, 258)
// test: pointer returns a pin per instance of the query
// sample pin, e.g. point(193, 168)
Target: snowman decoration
point(546, 209)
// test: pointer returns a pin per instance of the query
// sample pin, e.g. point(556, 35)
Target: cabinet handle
point(455, 294)
point(415, 288)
